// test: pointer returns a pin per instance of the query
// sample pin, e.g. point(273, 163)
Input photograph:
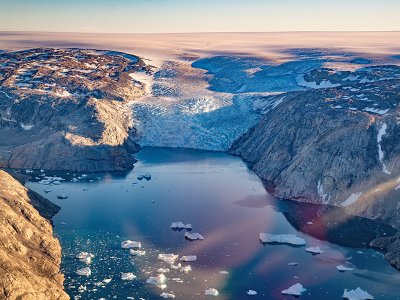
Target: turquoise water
point(226, 203)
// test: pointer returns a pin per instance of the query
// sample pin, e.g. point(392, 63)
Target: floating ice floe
point(211, 292)
point(357, 294)
point(135, 252)
point(294, 290)
point(251, 293)
point(84, 271)
point(314, 250)
point(189, 258)
point(176, 267)
point(223, 272)
point(63, 196)
point(290, 239)
point(128, 244)
point(167, 296)
point(107, 280)
point(292, 264)
point(168, 258)
point(158, 281)
point(193, 236)
point(47, 191)
point(186, 269)
point(163, 270)
point(342, 268)
point(180, 225)
point(127, 276)
point(85, 257)
point(146, 176)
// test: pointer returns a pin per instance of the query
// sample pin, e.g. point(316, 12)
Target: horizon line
point(210, 32)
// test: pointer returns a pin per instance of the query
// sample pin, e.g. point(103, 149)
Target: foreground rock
point(30, 256)
point(67, 109)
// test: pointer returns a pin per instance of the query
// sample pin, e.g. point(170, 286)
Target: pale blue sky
point(198, 16)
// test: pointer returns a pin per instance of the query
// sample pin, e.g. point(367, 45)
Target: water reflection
point(225, 202)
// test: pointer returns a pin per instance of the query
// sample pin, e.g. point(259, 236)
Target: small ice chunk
point(186, 269)
point(189, 258)
point(146, 176)
point(135, 252)
point(47, 191)
point(180, 225)
point(342, 268)
point(290, 239)
point(158, 281)
point(175, 267)
point(62, 196)
point(314, 250)
point(107, 280)
point(168, 258)
point(193, 236)
point(167, 296)
point(292, 264)
point(84, 271)
point(127, 276)
point(128, 244)
point(357, 294)
point(251, 293)
point(211, 292)
point(294, 290)
point(162, 270)
point(223, 272)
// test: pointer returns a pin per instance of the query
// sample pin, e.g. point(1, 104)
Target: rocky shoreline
point(30, 256)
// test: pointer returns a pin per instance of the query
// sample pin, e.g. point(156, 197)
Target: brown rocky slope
point(30, 256)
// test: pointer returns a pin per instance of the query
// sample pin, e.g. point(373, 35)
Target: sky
point(159, 16)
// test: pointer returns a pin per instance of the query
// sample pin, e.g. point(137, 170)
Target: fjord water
point(226, 203)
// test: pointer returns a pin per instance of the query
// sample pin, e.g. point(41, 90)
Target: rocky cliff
point(67, 109)
point(30, 256)
point(335, 144)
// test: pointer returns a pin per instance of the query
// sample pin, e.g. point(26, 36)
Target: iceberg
point(186, 269)
point(146, 176)
point(84, 271)
point(158, 281)
point(189, 258)
point(357, 294)
point(294, 290)
point(314, 250)
point(85, 257)
point(167, 296)
point(162, 270)
point(290, 239)
point(180, 225)
point(211, 292)
point(176, 267)
point(128, 244)
point(63, 196)
point(135, 252)
point(127, 276)
point(342, 268)
point(193, 236)
point(168, 258)
point(251, 293)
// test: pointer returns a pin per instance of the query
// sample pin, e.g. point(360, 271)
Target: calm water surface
point(228, 204)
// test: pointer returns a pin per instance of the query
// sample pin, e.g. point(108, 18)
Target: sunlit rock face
point(334, 143)
point(30, 256)
point(67, 109)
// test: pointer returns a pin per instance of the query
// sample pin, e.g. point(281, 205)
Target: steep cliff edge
point(30, 256)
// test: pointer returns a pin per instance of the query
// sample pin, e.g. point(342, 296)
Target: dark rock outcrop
point(30, 256)
point(67, 109)
point(391, 247)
